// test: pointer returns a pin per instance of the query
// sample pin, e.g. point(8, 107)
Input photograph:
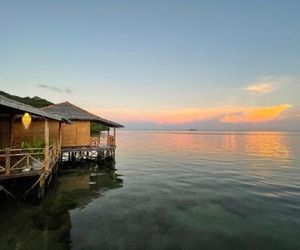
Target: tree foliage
point(32, 101)
point(96, 128)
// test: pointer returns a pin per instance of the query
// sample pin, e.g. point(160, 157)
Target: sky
point(210, 65)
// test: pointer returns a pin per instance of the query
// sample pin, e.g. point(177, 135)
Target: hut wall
point(4, 132)
point(76, 134)
point(35, 131)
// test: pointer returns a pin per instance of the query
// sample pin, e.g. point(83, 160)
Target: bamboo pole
point(46, 158)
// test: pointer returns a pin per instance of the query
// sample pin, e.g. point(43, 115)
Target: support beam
point(107, 139)
point(115, 137)
point(59, 137)
point(99, 138)
point(7, 161)
point(42, 184)
point(46, 153)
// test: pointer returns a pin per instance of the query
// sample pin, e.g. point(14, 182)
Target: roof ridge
point(74, 112)
point(82, 109)
point(52, 105)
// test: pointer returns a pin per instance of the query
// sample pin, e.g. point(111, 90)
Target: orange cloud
point(190, 115)
point(260, 88)
point(175, 116)
point(257, 115)
point(234, 114)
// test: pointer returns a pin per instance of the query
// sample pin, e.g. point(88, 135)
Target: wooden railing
point(103, 140)
point(14, 161)
point(95, 141)
point(54, 154)
point(111, 140)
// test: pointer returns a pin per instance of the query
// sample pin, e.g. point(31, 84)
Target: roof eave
point(27, 108)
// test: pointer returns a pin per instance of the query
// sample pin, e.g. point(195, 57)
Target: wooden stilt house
point(19, 155)
point(79, 137)
point(79, 133)
point(32, 147)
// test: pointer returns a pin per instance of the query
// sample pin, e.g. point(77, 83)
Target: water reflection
point(266, 145)
point(271, 146)
point(47, 226)
point(183, 191)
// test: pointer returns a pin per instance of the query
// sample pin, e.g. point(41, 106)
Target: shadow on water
point(25, 225)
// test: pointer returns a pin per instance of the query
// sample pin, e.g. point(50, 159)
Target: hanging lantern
point(26, 120)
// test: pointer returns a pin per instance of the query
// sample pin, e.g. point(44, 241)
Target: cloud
point(165, 117)
point(257, 115)
point(260, 88)
point(68, 90)
point(44, 86)
point(234, 114)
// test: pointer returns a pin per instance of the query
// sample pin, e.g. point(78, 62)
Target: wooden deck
point(100, 148)
point(87, 153)
point(15, 163)
point(40, 163)
point(43, 162)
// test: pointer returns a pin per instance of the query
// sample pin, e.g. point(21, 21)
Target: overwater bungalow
point(79, 141)
point(25, 145)
point(33, 141)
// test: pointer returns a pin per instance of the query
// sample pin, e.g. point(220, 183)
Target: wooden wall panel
point(69, 135)
point(54, 131)
point(36, 130)
point(76, 134)
point(83, 133)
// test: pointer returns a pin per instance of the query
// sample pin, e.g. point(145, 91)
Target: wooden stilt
point(115, 134)
point(46, 153)
point(42, 184)
point(60, 137)
point(7, 161)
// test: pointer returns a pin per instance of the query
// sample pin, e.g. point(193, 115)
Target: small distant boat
point(193, 129)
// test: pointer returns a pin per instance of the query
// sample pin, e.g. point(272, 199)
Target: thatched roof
point(74, 113)
point(18, 108)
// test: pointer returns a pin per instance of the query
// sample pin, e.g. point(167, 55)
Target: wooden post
point(60, 138)
point(27, 160)
point(46, 153)
point(115, 136)
point(42, 186)
point(107, 139)
point(7, 161)
point(99, 138)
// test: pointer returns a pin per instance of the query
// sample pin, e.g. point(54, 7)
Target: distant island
point(193, 129)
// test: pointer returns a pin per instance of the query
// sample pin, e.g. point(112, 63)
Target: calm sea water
point(171, 190)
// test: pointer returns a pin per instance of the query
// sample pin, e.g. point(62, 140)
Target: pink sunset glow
point(182, 116)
